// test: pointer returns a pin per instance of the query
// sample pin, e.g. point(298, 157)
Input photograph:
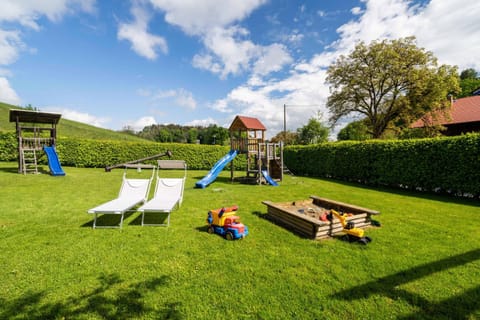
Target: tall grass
point(424, 261)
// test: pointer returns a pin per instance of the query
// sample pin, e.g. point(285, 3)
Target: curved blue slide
point(269, 179)
point(216, 169)
point(53, 162)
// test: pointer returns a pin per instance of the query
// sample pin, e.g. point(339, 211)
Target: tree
point(468, 74)
point(288, 138)
point(469, 82)
point(391, 83)
point(356, 130)
point(313, 132)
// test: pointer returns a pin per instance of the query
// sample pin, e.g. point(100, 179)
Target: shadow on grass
point(150, 218)
point(456, 307)
point(111, 299)
point(428, 195)
point(14, 170)
point(218, 179)
point(108, 220)
point(9, 170)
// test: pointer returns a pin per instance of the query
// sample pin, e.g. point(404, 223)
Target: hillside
point(68, 128)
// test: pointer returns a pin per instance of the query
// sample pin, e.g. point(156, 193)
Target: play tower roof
point(34, 116)
point(246, 123)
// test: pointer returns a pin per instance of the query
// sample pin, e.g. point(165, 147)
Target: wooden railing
point(35, 143)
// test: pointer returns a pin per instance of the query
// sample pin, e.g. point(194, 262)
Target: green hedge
point(95, 153)
point(8, 146)
point(449, 165)
point(101, 153)
point(442, 165)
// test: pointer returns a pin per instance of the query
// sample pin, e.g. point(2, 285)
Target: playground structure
point(264, 159)
point(36, 132)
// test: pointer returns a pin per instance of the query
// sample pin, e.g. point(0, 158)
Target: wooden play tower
point(35, 130)
point(247, 136)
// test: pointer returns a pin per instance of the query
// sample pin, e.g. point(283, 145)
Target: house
point(463, 117)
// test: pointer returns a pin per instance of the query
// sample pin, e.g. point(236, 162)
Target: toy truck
point(352, 233)
point(224, 222)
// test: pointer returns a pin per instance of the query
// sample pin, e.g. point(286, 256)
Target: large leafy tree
point(390, 82)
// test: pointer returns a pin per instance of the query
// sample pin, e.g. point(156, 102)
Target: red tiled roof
point(248, 123)
point(463, 110)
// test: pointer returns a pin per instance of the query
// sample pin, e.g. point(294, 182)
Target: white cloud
point(179, 97)
point(7, 94)
point(141, 123)
point(227, 48)
point(356, 11)
point(79, 116)
point(10, 46)
point(197, 17)
point(271, 59)
point(449, 29)
point(28, 12)
point(228, 53)
point(201, 122)
point(143, 43)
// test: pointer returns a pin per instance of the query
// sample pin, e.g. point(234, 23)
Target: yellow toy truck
point(224, 222)
point(352, 233)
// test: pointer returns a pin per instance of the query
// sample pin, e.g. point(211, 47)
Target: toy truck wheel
point(229, 236)
point(210, 230)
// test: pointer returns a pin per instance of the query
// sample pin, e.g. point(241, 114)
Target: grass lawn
point(423, 263)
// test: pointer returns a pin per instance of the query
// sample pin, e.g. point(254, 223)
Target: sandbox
point(307, 217)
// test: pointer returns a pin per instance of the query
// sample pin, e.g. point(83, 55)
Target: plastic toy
point(352, 233)
point(224, 222)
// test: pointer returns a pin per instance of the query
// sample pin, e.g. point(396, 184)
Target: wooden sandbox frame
point(303, 216)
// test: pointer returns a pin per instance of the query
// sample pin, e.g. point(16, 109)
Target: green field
point(423, 262)
point(68, 128)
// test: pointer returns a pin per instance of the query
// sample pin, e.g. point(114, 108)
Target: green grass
point(423, 263)
point(68, 128)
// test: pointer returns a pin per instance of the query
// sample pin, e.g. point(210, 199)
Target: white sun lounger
point(133, 192)
point(168, 192)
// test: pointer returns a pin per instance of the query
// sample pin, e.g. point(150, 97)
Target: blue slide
point(269, 179)
point(53, 162)
point(216, 169)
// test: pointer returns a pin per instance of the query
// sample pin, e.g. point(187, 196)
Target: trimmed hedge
point(450, 165)
point(95, 153)
point(90, 153)
point(8, 146)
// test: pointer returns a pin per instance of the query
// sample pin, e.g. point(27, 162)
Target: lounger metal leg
point(95, 221)
point(121, 221)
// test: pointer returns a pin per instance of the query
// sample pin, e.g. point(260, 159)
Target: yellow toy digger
point(352, 234)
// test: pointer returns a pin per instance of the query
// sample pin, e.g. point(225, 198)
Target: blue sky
point(115, 63)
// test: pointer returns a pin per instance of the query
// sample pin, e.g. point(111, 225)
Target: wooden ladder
point(29, 161)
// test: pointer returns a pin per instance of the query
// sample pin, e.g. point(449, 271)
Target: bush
point(449, 165)
point(95, 153)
